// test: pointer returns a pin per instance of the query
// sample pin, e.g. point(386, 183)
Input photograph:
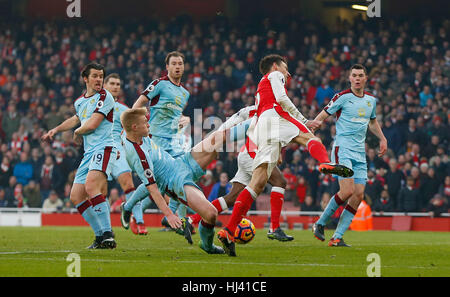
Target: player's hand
point(313, 125)
point(49, 135)
point(383, 147)
point(280, 160)
point(78, 139)
point(174, 221)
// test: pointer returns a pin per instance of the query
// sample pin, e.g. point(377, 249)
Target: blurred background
point(406, 51)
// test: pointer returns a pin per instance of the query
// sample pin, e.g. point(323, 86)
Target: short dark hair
point(359, 67)
point(266, 63)
point(87, 69)
point(112, 75)
point(173, 54)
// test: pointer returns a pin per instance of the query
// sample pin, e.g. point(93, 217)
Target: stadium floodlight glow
point(360, 7)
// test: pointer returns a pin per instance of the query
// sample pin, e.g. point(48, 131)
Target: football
point(245, 232)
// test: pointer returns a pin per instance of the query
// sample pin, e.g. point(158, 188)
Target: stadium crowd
point(409, 71)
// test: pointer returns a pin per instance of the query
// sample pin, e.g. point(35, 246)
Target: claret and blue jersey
point(101, 102)
point(353, 116)
point(167, 102)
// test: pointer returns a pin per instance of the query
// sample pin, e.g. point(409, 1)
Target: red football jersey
point(265, 98)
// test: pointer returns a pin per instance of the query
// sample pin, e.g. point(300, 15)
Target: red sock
point(318, 151)
point(276, 204)
point(243, 203)
point(196, 217)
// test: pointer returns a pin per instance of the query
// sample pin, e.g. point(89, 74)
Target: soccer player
point(161, 173)
point(167, 98)
point(94, 111)
point(121, 171)
point(355, 112)
point(278, 123)
point(242, 179)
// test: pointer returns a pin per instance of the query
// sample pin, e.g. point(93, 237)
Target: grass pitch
point(43, 251)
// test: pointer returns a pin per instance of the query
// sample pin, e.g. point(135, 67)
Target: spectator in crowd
point(301, 191)
point(394, 179)
point(49, 176)
point(23, 170)
point(10, 121)
point(437, 205)
point(6, 171)
point(9, 191)
point(373, 186)
point(115, 200)
point(221, 188)
point(291, 179)
point(444, 189)
point(408, 199)
point(309, 205)
point(3, 201)
point(384, 203)
point(32, 195)
point(52, 203)
point(206, 183)
point(429, 185)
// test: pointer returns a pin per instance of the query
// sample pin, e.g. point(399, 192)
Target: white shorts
point(274, 130)
point(245, 169)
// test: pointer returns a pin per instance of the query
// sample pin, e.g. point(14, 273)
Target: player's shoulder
point(341, 95)
point(370, 95)
point(79, 100)
point(276, 75)
point(121, 105)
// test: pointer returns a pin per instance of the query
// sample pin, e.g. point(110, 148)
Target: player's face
point(141, 127)
point(113, 86)
point(175, 68)
point(283, 68)
point(94, 80)
point(358, 79)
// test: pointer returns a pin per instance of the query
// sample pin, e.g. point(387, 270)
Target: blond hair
point(130, 117)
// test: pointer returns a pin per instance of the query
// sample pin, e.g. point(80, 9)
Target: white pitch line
point(224, 263)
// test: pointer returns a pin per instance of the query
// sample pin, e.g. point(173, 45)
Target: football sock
point(276, 204)
point(318, 151)
point(332, 206)
point(87, 212)
point(146, 203)
point(181, 210)
point(101, 208)
point(243, 203)
point(173, 205)
point(139, 194)
point(137, 208)
point(206, 232)
point(344, 222)
point(220, 204)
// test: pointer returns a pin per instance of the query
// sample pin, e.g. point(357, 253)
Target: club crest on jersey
point(369, 104)
point(148, 173)
point(361, 112)
point(99, 104)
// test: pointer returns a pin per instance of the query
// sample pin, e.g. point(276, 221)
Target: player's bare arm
point(174, 221)
point(68, 124)
point(375, 128)
point(91, 124)
point(318, 121)
point(142, 101)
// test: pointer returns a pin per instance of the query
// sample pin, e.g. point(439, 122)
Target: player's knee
point(345, 194)
point(210, 216)
point(282, 183)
